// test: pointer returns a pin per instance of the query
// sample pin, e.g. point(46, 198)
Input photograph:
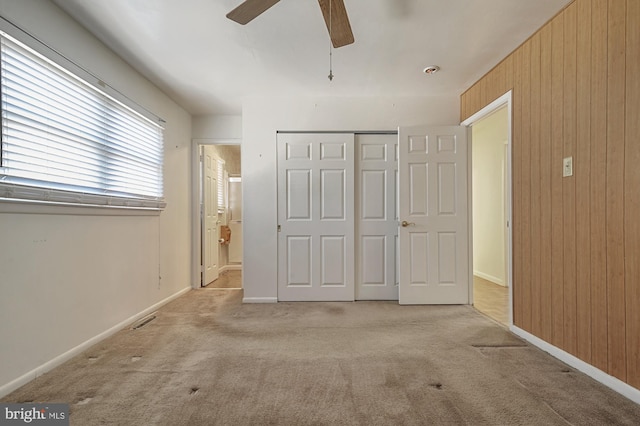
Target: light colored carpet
point(207, 359)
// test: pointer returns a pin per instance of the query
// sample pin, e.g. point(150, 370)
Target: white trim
point(231, 267)
point(21, 206)
point(611, 382)
point(60, 359)
point(506, 99)
point(260, 300)
point(196, 249)
point(470, 211)
point(217, 141)
point(488, 277)
point(486, 111)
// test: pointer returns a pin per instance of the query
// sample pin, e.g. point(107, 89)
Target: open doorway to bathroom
point(490, 178)
point(220, 216)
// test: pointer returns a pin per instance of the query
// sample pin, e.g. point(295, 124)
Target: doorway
point(490, 218)
point(220, 224)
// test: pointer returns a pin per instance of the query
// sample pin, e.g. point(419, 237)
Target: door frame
point(196, 236)
point(504, 100)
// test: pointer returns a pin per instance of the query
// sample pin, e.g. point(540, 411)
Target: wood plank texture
point(632, 193)
point(500, 81)
point(516, 152)
point(535, 189)
point(557, 150)
point(582, 179)
point(546, 101)
point(616, 78)
point(525, 185)
point(569, 183)
point(508, 74)
point(598, 184)
point(576, 241)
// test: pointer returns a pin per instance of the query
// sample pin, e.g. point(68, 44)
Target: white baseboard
point(611, 382)
point(488, 277)
point(232, 267)
point(60, 359)
point(260, 300)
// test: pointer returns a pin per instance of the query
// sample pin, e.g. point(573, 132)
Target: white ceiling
point(208, 63)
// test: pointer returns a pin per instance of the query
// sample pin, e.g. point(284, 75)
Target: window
point(64, 140)
point(222, 187)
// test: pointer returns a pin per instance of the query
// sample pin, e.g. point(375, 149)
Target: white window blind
point(221, 185)
point(64, 140)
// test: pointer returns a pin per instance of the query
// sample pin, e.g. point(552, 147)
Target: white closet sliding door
point(315, 217)
point(329, 250)
point(376, 217)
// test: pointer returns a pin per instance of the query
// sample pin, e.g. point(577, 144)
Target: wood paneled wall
point(576, 240)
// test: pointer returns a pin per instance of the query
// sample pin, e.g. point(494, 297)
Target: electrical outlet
point(567, 167)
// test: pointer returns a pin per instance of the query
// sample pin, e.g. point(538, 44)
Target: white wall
point(488, 152)
point(262, 117)
point(69, 277)
point(217, 127)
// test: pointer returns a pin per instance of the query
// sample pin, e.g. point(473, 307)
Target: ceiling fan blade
point(340, 28)
point(249, 10)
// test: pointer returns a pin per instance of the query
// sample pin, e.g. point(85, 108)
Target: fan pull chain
point(330, 45)
point(330, 67)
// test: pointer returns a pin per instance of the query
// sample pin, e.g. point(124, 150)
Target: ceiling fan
point(334, 12)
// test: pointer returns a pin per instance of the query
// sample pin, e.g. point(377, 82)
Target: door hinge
point(279, 228)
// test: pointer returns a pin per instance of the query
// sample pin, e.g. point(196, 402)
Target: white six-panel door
point(210, 243)
point(315, 217)
point(434, 238)
point(376, 218)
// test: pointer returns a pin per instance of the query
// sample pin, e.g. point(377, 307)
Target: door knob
point(405, 223)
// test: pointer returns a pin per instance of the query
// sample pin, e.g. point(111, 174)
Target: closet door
point(376, 217)
point(315, 217)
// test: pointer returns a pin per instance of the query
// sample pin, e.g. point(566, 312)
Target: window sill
point(17, 206)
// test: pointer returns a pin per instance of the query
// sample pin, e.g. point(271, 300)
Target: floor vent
point(144, 321)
